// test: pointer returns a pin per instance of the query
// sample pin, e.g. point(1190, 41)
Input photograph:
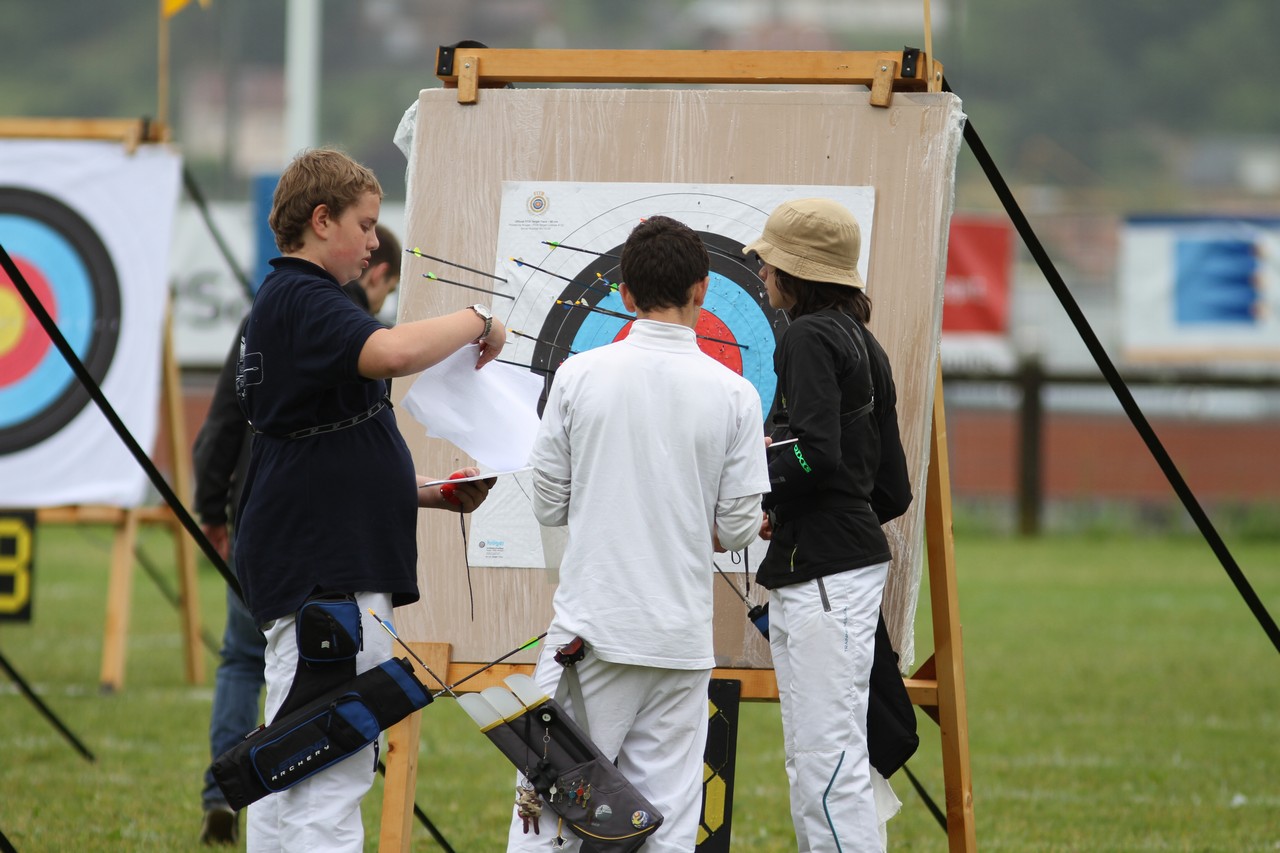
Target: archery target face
point(563, 302)
point(595, 219)
point(71, 272)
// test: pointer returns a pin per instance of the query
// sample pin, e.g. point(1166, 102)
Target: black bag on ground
point(320, 733)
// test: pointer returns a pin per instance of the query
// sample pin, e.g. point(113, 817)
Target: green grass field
point(1121, 697)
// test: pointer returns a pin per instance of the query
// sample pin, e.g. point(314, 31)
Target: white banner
point(89, 226)
point(209, 300)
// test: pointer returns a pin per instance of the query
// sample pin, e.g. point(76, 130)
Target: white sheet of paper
point(484, 475)
point(491, 414)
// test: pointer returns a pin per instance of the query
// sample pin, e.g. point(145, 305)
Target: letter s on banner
point(17, 541)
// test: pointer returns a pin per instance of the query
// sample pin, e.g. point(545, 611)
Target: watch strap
point(488, 321)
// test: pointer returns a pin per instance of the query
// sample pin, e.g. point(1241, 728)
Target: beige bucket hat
point(815, 239)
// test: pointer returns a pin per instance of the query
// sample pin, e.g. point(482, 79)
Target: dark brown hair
point(388, 250)
point(810, 296)
point(661, 260)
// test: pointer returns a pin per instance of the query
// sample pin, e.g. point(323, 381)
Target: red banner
point(979, 260)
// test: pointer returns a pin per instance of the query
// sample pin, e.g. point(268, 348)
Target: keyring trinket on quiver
point(570, 774)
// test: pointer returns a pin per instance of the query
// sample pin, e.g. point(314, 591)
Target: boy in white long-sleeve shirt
point(652, 453)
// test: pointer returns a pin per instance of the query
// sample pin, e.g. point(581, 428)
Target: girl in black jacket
point(831, 490)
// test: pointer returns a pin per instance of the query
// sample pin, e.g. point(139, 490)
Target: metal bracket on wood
point(910, 61)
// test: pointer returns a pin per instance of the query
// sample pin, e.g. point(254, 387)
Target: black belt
point(384, 403)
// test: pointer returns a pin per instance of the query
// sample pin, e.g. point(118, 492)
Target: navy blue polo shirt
point(336, 510)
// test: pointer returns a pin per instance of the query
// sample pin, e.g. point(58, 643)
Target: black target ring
point(42, 233)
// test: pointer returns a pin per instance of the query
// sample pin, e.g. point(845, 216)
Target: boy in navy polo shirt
point(331, 498)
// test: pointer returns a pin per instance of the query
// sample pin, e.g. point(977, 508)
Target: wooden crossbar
point(471, 69)
point(758, 685)
point(130, 131)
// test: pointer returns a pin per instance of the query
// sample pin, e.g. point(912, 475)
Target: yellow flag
point(169, 8)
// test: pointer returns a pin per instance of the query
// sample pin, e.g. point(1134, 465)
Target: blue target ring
point(50, 237)
point(727, 301)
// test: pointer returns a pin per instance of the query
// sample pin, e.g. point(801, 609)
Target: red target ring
point(716, 340)
point(23, 343)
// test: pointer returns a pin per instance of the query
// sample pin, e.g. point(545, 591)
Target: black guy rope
point(928, 800)
point(44, 709)
point(193, 190)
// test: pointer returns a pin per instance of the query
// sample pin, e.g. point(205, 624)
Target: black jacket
point(847, 474)
point(221, 451)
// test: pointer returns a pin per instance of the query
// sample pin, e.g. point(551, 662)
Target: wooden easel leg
point(948, 660)
point(184, 548)
point(402, 758)
point(185, 553)
point(400, 783)
point(119, 597)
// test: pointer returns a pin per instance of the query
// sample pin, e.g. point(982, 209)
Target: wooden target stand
point(126, 521)
point(938, 685)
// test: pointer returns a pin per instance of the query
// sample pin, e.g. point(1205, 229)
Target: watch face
point(482, 310)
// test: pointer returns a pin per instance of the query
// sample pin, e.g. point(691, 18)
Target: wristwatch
point(483, 312)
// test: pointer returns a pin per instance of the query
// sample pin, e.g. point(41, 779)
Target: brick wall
point(1084, 456)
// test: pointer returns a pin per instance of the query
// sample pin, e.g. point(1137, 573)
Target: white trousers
point(322, 812)
point(653, 723)
point(822, 635)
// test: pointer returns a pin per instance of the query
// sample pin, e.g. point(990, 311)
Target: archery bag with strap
point(322, 732)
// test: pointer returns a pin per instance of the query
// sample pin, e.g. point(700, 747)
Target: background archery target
point(89, 224)
point(71, 272)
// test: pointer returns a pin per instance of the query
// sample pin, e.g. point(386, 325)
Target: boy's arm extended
point(408, 348)
point(552, 460)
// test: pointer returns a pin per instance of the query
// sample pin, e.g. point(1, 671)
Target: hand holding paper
point(490, 414)
point(464, 491)
point(483, 475)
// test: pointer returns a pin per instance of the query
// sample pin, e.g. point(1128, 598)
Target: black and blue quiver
point(319, 734)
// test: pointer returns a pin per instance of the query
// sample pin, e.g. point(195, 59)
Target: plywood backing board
point(831, 136)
